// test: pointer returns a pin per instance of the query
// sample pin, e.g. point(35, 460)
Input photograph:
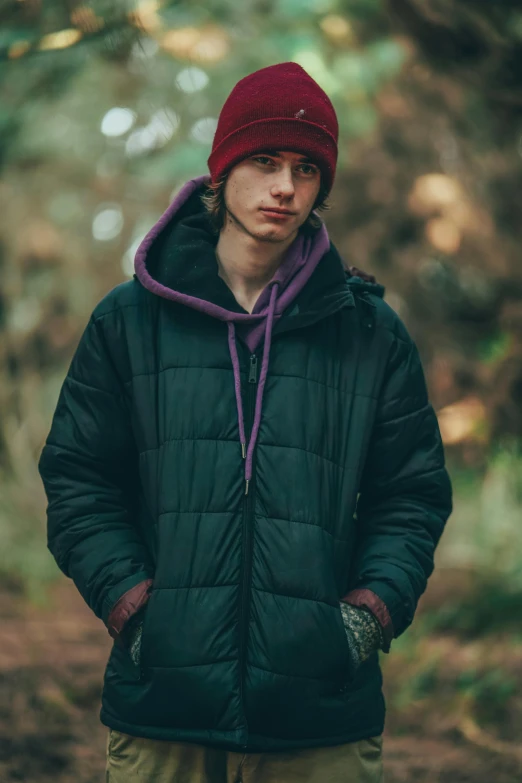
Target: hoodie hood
point(177, 261)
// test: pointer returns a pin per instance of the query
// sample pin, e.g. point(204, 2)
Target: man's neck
point(247, 264)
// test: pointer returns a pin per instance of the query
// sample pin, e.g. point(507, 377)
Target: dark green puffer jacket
point(243, 643)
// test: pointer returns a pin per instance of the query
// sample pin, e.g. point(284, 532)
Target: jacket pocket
point(121, 662)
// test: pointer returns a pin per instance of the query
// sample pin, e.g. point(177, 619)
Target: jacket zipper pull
point(252, 376)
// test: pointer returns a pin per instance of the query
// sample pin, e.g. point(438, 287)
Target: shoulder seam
point(114, 310)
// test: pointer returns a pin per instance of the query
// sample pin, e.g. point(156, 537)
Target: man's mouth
point(277, 213)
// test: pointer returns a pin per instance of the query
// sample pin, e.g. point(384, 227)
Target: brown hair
point(213, 200)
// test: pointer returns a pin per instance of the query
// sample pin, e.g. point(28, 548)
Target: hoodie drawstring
point(248, 453)
point(232, 347)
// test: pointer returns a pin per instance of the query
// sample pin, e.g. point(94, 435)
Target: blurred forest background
point(106, 109)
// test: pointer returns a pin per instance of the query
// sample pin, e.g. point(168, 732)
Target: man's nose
point(284, 183)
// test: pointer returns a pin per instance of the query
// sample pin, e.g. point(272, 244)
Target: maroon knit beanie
point(276, 108)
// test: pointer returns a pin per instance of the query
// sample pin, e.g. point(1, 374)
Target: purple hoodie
point(300, 261)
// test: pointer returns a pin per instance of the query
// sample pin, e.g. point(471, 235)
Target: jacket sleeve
point(89, 468)
point(405, 496)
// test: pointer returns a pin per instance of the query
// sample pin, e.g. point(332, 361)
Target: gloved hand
point(135, 644)
point(363, 631)
point(132, 635)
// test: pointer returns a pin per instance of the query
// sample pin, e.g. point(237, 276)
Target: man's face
point(279, 180)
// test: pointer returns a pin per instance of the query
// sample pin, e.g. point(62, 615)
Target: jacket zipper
point(248, 514)
point(252, 375)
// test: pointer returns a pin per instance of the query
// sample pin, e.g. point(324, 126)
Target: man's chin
point(271, 235)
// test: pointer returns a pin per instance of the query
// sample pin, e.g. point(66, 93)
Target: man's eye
point(263, 158)
point(311, 169)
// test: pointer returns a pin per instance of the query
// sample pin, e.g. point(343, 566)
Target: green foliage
point(491, 688)
point(361, 9)
point(495, 347)
point(297, 9)
point(164, 169)
point(484, 532)
point(494, 605)
point(386, 57)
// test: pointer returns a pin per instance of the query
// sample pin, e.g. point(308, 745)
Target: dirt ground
point(51, 667)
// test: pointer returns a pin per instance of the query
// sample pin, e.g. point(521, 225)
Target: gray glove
point(132, 635)
point(135, 643)
point(363, 631)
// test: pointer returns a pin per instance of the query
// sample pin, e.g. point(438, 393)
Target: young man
point(245, 476)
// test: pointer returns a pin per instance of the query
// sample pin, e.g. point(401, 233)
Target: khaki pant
point(136, 760)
